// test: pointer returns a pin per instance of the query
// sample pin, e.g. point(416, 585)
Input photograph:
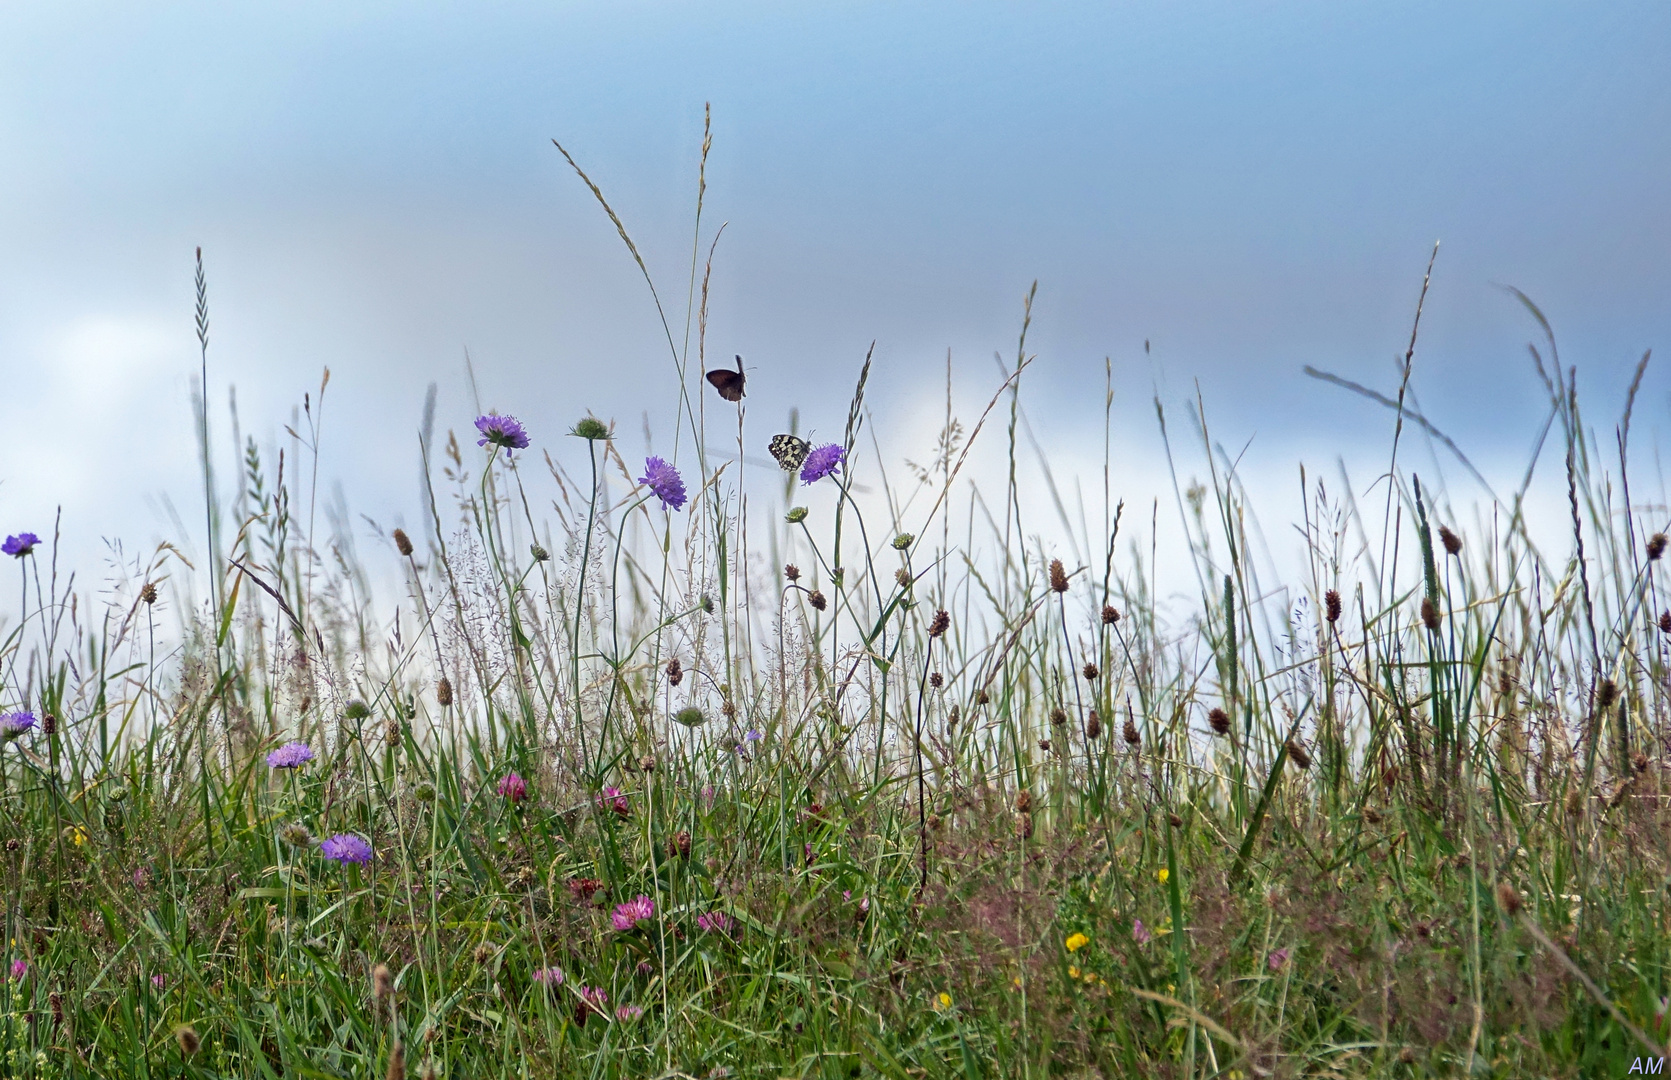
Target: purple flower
point(20, 545)
point(664, 481)
point(159, 980)
point(1277, 959)
point(1139, 932)
point(594, 996)
point(715, 922)
point(822, 462)
point(513, 787)
point(501, 431)
point(549, 976)
point(628, 1013)
point(292, 755)
point(612, 799)
point(13, 724)
point(628, 915)
point(752, 735)
point(20, 968)
point(346, 848)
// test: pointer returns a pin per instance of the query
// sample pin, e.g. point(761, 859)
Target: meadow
point(653, 771)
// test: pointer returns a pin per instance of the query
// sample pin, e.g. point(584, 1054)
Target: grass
point(904, 811)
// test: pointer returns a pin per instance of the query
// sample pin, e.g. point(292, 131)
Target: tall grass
point(902, 810)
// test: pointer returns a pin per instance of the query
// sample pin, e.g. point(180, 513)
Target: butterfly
point(790, 451)
point(728, 383)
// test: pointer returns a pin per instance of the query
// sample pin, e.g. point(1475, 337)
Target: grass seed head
point(148, 592)
point(1430, 614)
point(190, 1042)
point(444, 692)
point(1219, 721)
point(1452, 542)
point(382, 982)
point(675, 673)
point(1331, 605)
point(939, 624)
point(1090, 671)
point(403, 543)
point(1656, 546)
point(1298, 753)
point(936, 680)
point(1508, 898)
point(1607, 692)
point(1093, 726)
point(397, 1062)
point(816, 599)
point(1058, 576)
point(1129, 732)
point(1110, 615)
point(1058, 717)
point(792, 572)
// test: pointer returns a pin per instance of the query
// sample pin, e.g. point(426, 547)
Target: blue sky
point(1251, 188)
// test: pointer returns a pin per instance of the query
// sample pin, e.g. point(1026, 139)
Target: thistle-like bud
point(1058, 718)
point(1110, 615)
point(539, 553)
point(444, 692)
point(1430, 614)
point(1331, 605)
point(148, 592)
point(1219, 721)
point(936, 680)
point(1129, 733)
point(647, 763)
point(792, 572)
point(49, 724)
point(903, 541)
point(591, 429)
point(816, 599)
point(1090, 671)
point(706, 603)
point(690, 716)
point(187, 1037)
point(1058, 576)
point(356, 710)
point(424, 792)
point(403, 543)
point(296, 835)
point(1093, 726)
point(1452, 542)
point(1656, 546)
point(796, 515)
point(1298, 754)
point(675, 673)
point(939, 624)
point(679, 845)
point(902, 578)
point(1607, 692)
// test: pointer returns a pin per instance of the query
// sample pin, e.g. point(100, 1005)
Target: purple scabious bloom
point(20, 545)
point(665, 482)
point(823, 461)
point(628, 915)
point(513, 787)
point(292, 755)
point(346, 848)
point(13, 724)
point(503, 431)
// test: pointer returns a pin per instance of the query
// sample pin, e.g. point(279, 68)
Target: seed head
point(591, 429)
point(690, 716)
point(391, 733)
point(1656, 546)
point(1058, 576)
point(356, 710)
point(675, 673)
point(296, 835)
point(1090, 671)
point(13, 844)
point(397, 1062)
point(1452, 542)
point(1044, 744)
point(444, 692)
point(953, 717)
point(647, 763)
point(1665, 622)
point(1129, 733)
point(903, 541)
point(1023, 802)
point(1058, 717)
point(902, 577)
point(424, 792)
point(148, 592)
point(1639, 761)
point(1298, 754)
point(1508, 898)
point(403, 543)
point(939, 625)
point(706, 603)
point(1331, 605)
point(796, 515)
point(1110, 615)
point(187, 1037)
point(1607, 692)
point(936, 680)
point(484, 952)
point(1024, 826)
point(539, 553)
point(1575, 802)
point(1093, 726)
point(382, 982)
point(792, 572)
point(679, 845)
point(49, 724)
point(1430, 614)
point(816, 599)
point(1219, 721)
point(982, 697)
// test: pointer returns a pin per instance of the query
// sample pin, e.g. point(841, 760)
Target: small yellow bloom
point(1162, 874)
point(1017, 981)
point(77, 835)
point(944, 1001)
point(1075, 942)
point(1073, 972)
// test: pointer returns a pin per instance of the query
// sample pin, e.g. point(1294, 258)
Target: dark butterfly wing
point(789, 451)
point(728, 383)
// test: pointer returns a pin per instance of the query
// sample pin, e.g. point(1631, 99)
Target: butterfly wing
point(728, 383)
point(790, 451)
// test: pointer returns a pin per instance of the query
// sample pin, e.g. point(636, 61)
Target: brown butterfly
point(728, 383)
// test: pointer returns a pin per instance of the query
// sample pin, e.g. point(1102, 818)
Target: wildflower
point(816, 599)
point(76, 835)
point(513, 787)
point(1058, 576)
point(1331, 605)
point(752, 735)
point(628, 1013)
point(20, 545)
point(1076, 941)
point(158, 980)
point(403, 543)
point(627, 916)
point(592, 1000)
point(796, 515)
point(942, 1001)
point(141, 877)
point(549, 976)
point(791, 572)
point(14, 724)
point(187, 1037)
point(20, 968)
point(1219, 721)
point(1452, 542)
point(823, 461)
point(903, 541)
point(583, 888)
point(715, 922)
point(501, 431)
point(675, 673)
point(612, 799)
point(663, 479)
point(292, 755)
point(939, 625)
point(1162, 874)
point(591, 429)
point(1656, 546)
point(1139, 932)
point(1277, 959)
point(1090, 672)
point(346, 848)
point(296, 835)
point(690, 716)
point(1110, 615)
point(679, 844)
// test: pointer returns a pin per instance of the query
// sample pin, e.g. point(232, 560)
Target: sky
point(1249, 189)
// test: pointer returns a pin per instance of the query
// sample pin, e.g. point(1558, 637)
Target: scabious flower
point(20, 545)
point(1139, 932)
point(346, 848)
point(13, 724)
point(549, 976)
point(822, 461)
point(628, 1013)
point(715, 922)
point(503, 431)
point(663, 479)
point(513, 787)
point(292, 755)
point(1277, 959)
point(752, 735)
point(612, 799)
point(627, 916)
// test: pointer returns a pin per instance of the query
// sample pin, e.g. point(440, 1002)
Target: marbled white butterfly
point(789, 451)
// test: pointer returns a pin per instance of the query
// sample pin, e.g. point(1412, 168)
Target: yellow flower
point(1073, 972)
point(944, 1001)
point(1162, 874)
point(1075, 942)
point(1017, 980)
point(76, 834)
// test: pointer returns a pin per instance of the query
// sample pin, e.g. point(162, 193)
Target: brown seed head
point(1656, 546)
point(936, 680)
point(1110, 615)
point(187, 1037)
point(1219, 721)
point(1058, 717)
point(1575, 802)
point(1090, 671)
point(1023, 801)
point(444, 692)
point(49, 724)
point(792, 572)
point(647, 763)
point(391, 733)
point(484, 952)
point(1639, 761)
point(1175, 821)
point(816, 599)
point(403, 543)
point(1331, 605)
point(1024, 826)
point(382, 982)
point(675, 673)
point(1452, 542)
point(397, 1062)
point(679, 845)
point(1058, 576)
point(1298, 754)
point(728, 708)
point(1430, 614)
point(1129, 733)
point(939, 625)
point(982, 697)
point(1044, 744)
point(953, 717)
point(1607, 692)
point(1508, 898)
point(1093, 726)
point(13, 844)
point(1665, 622)
point(148, 592)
